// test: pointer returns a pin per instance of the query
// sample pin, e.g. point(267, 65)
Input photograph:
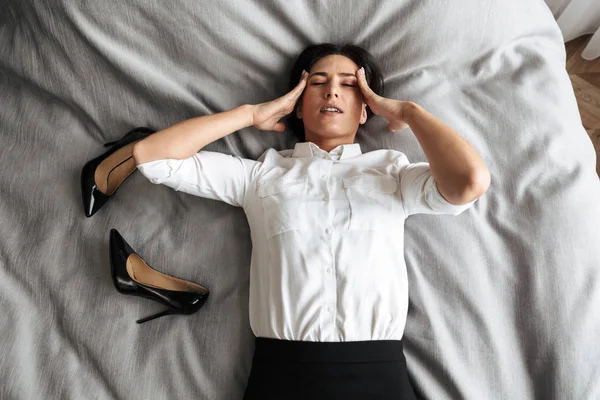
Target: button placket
point(329, 310)
point(331, 299)
point(324, 175)
point(323, 178)
point(329, 295)
point(329, 278)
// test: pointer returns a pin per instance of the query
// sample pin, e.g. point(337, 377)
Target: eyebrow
point(325, 74)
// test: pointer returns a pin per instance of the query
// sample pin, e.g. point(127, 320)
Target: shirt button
point(328, 270)
point(323, 176)
point(329, 310)
point(328, 231)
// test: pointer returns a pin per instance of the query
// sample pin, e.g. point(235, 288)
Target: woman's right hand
point(266, 115)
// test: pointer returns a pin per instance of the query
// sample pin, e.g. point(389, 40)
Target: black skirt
point(285, 369)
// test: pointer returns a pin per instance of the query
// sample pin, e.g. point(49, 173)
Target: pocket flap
point(381, 183)
point(274, 186)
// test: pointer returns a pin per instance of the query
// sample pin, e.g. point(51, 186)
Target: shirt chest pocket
point(284, 205)
point(374, 204)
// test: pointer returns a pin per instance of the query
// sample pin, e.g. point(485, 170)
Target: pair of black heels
point(131, 275)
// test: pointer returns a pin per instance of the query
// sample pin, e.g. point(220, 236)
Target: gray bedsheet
point(504, 298)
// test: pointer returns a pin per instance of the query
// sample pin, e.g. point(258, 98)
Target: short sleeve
point(208, 174)
point(420, 194)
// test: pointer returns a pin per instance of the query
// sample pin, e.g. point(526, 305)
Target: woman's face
point(332, 79)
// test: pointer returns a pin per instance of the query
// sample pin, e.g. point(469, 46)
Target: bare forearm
point(186, 138)
point(459, 171)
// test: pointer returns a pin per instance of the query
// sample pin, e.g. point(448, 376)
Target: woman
point(328, 287)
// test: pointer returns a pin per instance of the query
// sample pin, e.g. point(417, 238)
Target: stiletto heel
point(151, 317)
point(102, 176)
point(133, 276)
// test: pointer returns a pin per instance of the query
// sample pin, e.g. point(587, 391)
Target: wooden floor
point(585, 77)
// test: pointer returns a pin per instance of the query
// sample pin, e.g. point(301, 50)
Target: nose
point(331, 90)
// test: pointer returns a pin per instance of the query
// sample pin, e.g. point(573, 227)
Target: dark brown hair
point(314, 53)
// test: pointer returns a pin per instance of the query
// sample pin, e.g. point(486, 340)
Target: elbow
point(479, 184)
point(474, 188)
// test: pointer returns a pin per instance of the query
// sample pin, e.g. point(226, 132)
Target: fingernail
point(361, 70)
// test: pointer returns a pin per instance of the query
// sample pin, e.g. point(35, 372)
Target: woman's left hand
point(389, 109)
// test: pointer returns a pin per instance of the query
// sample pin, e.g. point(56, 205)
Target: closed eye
point(342, 85)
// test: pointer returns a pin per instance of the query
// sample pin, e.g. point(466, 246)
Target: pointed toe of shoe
point(118, 242)
point(114, 237)
point(119, 251)
point(86, 191)
point(89, 196)
point(93, 199)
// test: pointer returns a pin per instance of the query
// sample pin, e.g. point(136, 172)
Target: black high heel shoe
point(102, 176)
point(131, 275)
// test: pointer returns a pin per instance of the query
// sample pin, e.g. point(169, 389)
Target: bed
point(504, 298)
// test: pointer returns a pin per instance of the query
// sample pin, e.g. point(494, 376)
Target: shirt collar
point(309, 149)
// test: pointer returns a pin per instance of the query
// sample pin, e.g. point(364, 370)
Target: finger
point(295, 93)
point(300, 86)
point(362, 83)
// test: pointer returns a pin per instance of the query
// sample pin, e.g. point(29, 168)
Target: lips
point(332, 106)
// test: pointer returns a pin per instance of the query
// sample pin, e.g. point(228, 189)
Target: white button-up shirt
point(327, 230)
